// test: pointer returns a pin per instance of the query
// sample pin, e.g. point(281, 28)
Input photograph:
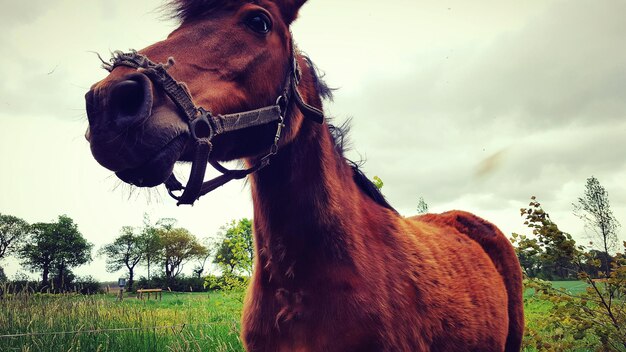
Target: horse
point(336, 267)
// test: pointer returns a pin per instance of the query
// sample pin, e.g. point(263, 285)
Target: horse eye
point(259, 22)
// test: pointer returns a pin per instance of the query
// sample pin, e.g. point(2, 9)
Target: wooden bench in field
point(157, 293)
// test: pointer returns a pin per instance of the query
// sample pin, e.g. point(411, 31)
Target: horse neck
point(306, 207)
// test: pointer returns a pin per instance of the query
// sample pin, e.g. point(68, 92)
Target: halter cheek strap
point(203, 126)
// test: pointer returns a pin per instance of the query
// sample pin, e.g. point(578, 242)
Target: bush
point(87, 285)
point(226, 282)
point(180, 284)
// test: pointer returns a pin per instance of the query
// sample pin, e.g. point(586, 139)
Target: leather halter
point(203, 125)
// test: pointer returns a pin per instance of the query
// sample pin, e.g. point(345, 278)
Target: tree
point(150, 240)
point(236, 251)
point(12, 232)
point(202, 259)
point(551, 252)
point(594, 209)
point(179, 246)
point(422, 206)
point(38, 253)
point(55, 247)
point(558, 248)
point(125, 251)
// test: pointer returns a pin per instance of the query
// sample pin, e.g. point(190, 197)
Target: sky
point(471, 105)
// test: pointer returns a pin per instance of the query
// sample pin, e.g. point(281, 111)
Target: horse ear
point(289, 9)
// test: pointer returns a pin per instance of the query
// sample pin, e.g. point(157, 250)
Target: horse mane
point(340, 135)
point(340, 139)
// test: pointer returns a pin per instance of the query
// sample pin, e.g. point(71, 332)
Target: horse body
point(335, 271)
point(336, 268)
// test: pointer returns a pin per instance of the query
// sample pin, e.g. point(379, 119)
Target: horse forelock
point(189, 10)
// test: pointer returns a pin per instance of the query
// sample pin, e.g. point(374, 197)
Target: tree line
point(55, 249)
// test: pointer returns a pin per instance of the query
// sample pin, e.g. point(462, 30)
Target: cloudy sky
point(472, 105)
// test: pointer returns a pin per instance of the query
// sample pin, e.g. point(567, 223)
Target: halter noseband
point(203, 125)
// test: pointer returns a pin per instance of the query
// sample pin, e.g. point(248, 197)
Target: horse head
point(229, 57)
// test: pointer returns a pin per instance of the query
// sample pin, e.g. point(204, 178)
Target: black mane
point(340, 137)
point(339, 134)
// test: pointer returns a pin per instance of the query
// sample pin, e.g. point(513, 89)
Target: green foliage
point(125, 252)
point(55, 248)
point(550, 253)
point(150, 241)
point(546, 331)
point(593, 319)
point(181, 283)
point(178, 247)
point(13, 231)
point(378, 183)
point(422, 206)
point(227, 282)
point(529, 252)
point(169, 246)
point(235, 253)
point(198, 269)
point(3, 276)
point(87, 285)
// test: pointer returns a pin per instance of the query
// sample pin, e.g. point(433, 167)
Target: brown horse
point(336, 268)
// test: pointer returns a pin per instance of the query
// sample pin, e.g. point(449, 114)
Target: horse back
point(503, 256)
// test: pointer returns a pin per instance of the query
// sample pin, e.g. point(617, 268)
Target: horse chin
point(158, 168)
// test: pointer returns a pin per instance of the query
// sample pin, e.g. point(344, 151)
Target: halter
point(203, 125)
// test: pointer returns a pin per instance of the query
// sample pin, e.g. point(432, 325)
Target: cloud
point(48, 48)
point(24, 13)
point(542, 106)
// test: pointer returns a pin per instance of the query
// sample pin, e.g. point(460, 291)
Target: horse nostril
point(127, 98)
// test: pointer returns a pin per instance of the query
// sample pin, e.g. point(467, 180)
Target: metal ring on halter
point(201, 127)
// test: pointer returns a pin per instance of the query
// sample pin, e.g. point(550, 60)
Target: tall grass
point(180, 322)
point(72, 322)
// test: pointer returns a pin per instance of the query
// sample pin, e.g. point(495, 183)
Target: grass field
point(537, 310)
point(180, 322)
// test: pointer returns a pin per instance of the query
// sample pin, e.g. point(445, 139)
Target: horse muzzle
point(131, 135)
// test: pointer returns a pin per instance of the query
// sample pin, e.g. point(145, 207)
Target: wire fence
point(98, 331)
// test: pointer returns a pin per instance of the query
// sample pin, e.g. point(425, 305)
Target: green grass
point(180, 322)
point(573, 287)
point(539, 332)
